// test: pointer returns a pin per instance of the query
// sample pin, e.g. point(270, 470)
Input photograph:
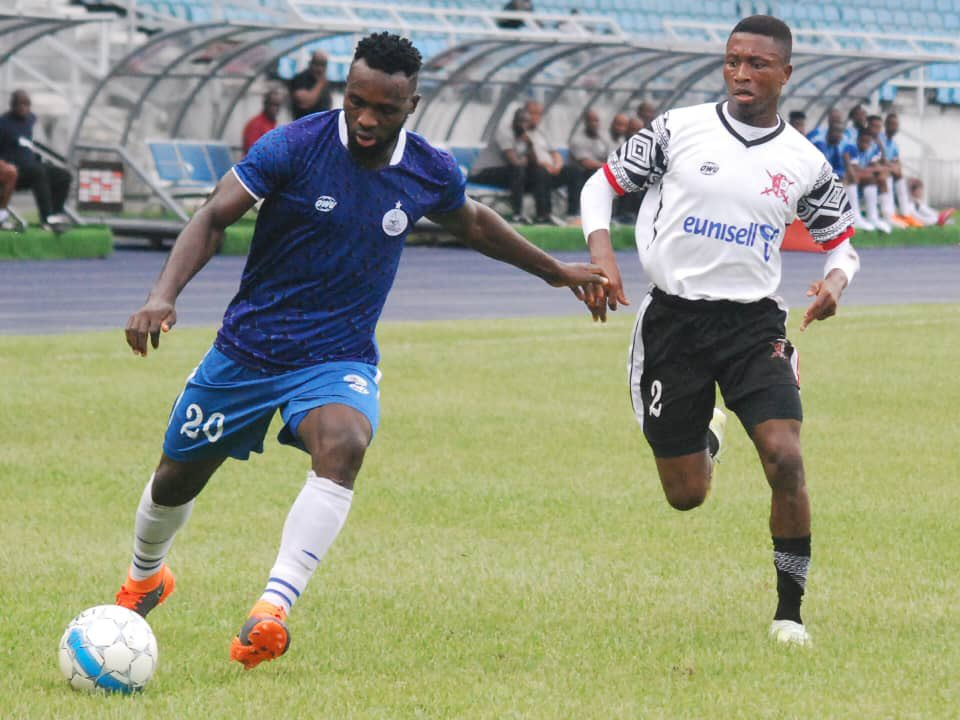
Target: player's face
point(754, 72)
point(376, 106)
point(891, 125)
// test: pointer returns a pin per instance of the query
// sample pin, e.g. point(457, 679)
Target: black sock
point(713, 443)
point(791, 558)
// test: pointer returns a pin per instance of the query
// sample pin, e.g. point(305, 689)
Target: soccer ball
point(108, 647)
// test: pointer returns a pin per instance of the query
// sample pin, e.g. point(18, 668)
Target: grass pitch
point(509, 553)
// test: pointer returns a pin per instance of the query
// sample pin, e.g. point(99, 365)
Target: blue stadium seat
point(190, 166)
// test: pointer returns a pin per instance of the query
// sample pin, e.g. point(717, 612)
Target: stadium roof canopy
point(188, 80)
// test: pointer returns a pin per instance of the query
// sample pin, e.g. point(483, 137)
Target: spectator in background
point(837, 151)
point(867, 174)
point(515, 6)
point(521, 158)
point(919, 208)
point(896, 183)
point(588, 150)
point(260, 125)
point(834, 117)
point(8, 183)
point(798, 120)
point(635, 125)
point(310, 89)
point(618, 129)
point(646, 111)
point(857, 122)
point(505, 160)
point(50, 184)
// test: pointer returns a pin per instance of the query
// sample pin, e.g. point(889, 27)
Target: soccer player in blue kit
point(340, 191)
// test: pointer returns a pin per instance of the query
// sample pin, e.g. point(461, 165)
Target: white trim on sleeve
point(250, 192)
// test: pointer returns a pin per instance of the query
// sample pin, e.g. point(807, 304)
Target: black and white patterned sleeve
point(641, 161)
point(826, 211)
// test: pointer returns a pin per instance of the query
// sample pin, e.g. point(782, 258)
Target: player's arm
point(828, 216)
point(485, 231)
point(196, 244)
point(596, 208)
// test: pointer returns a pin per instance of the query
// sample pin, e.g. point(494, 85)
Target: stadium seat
point(190, 167)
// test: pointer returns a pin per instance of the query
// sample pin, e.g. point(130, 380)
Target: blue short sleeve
point(454, 196)
point(267, 166)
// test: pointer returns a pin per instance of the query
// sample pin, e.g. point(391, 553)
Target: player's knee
point(686, 498)
point(176, 483)
point(337, 451)
point(783, 463)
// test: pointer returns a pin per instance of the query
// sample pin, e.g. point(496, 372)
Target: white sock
point(153, 533)
point(314, 521)
point(854, 199)
point(903, 196)
point(4, 214)
point(870, 196)
point(886, 204)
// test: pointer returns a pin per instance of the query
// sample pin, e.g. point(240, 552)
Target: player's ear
point(787, 72)
point(414, 101)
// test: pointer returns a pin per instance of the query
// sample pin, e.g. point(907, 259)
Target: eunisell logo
point(325, 203)
point(733, 234)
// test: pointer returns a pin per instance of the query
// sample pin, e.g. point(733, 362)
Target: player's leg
point(760, 383)
point(777, 441)
point(673, 396)
point(333, 418)
point(165, 506)
point(223, 411)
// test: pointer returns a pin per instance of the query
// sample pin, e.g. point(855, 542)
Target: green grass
point(509, 553)
point(553, 239)
point(87, 241)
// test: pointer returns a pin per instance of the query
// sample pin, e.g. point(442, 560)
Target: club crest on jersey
point(779, 349)
point(395, 221)
point(779, 184)
point(325, 203)
point(709, 168)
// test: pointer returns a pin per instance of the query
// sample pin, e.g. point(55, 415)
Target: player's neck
point(379, 160)
point(761, 117)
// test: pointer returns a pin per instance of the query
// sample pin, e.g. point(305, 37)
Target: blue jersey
point(864, 158)
point(327, 242)
point(889, 145)
point(835, 153)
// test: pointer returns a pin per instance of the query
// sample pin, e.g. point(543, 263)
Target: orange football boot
point(263, 636)
point(142, 596)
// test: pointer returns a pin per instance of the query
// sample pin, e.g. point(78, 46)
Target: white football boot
point(789, 632)
point(717, 424)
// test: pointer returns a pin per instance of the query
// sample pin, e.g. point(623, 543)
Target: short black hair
point(797, 115)
point(389, 53)
point(771, 27)
point(874, 118)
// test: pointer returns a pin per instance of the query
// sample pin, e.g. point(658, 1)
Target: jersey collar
point(397, 150)
point(749, 143)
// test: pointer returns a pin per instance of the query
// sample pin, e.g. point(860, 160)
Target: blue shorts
point(225, 408)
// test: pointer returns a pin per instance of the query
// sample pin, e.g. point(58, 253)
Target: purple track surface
point(41, 297)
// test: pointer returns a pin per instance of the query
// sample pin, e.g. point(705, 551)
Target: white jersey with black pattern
point(716, 204)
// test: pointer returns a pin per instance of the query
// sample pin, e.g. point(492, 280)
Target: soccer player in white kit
point(719, 185)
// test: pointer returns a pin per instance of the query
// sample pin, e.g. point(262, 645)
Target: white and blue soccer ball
point(108, 647)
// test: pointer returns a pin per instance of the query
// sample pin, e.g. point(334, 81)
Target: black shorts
point(681, 348)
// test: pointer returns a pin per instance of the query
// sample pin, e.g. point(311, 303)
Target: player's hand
point(154, 317)
point(826, 297)
point(581, 278)
point(611, 295)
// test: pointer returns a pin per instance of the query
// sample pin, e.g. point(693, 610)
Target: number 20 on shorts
point(212, 428)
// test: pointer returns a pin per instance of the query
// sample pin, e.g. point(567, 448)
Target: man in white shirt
point(719, 184)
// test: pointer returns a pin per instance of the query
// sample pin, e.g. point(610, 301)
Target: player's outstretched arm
point(841, 265)
point(196, 244)
point(484, 230)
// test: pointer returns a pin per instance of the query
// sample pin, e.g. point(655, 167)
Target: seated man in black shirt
point(50, 184)
point(310, 89)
